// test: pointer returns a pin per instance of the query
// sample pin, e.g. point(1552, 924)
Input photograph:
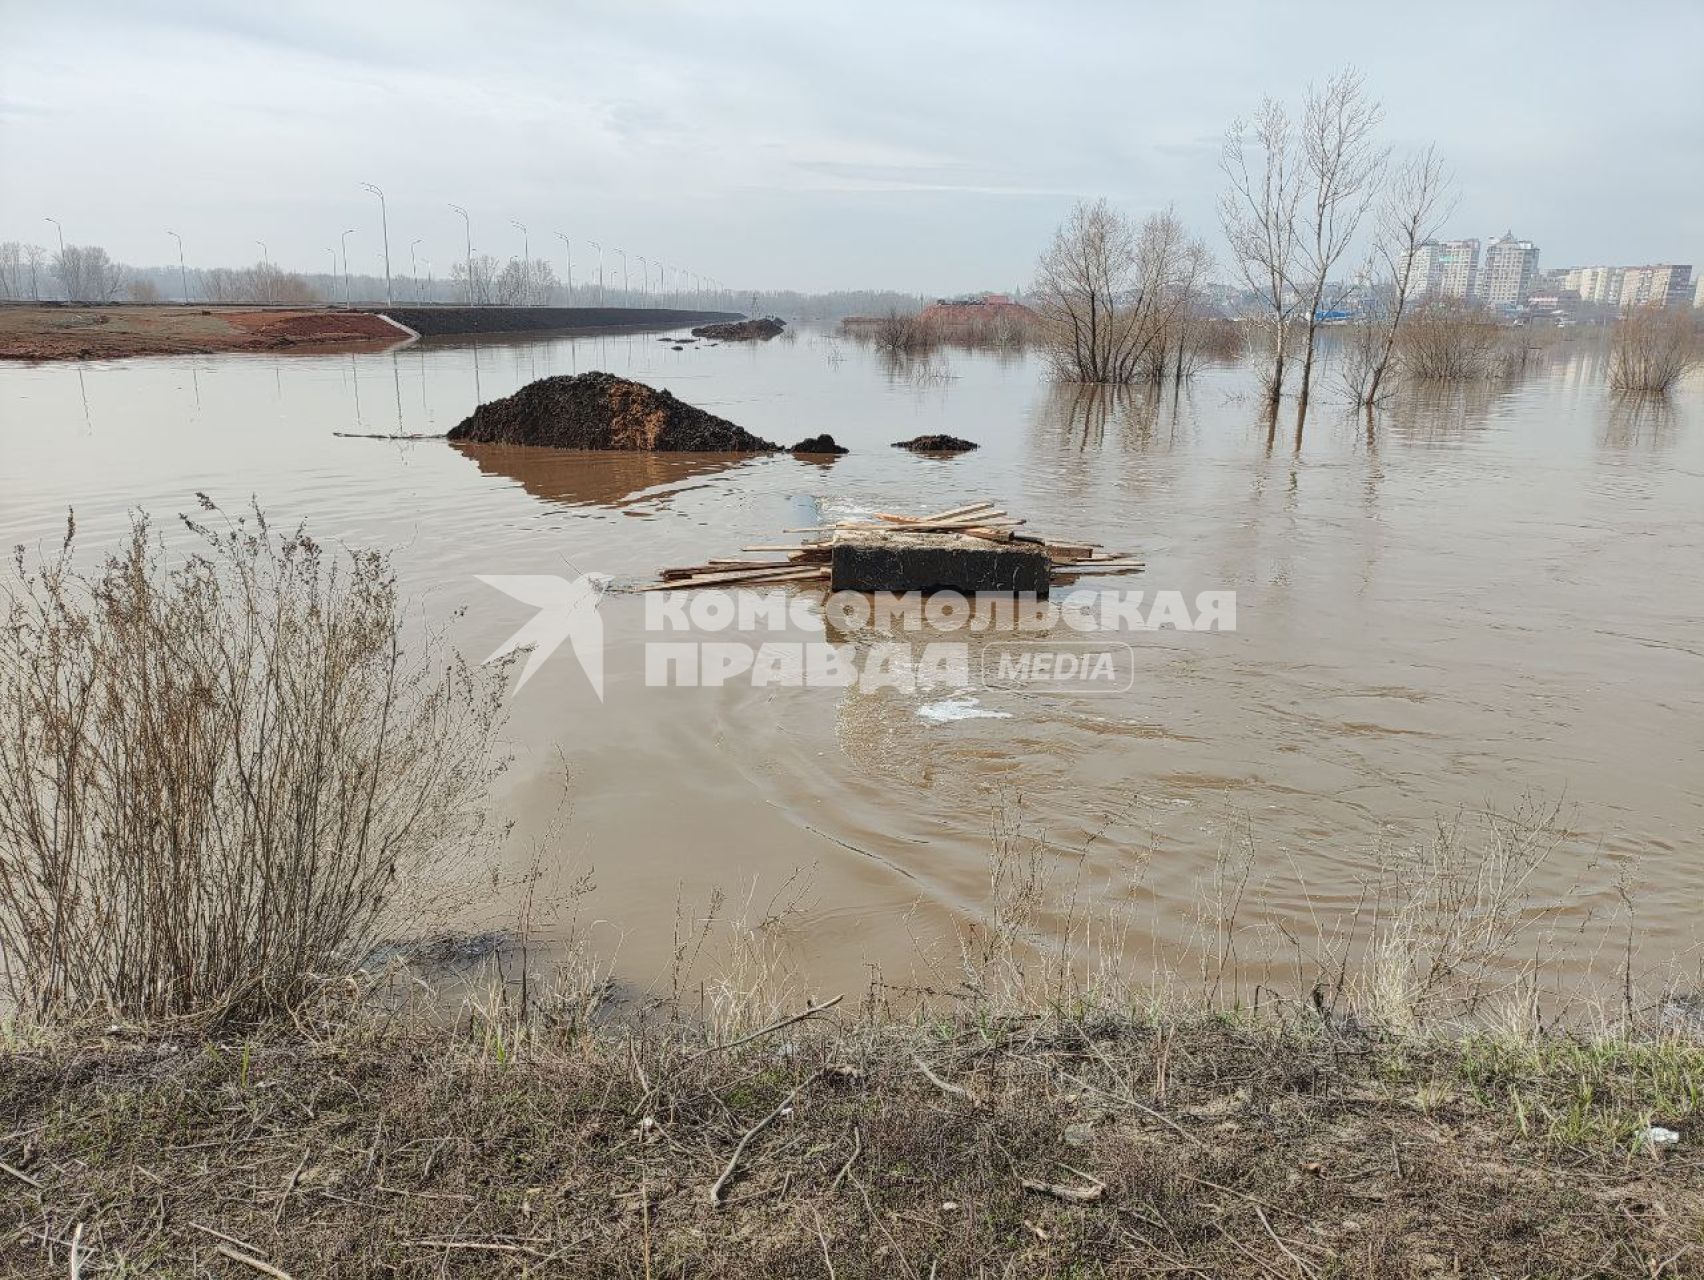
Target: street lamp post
point(568, 257)
point(599, 248)
point(626, 296)
point(384, 230)
point(345, 242)
point(467, 230)
point(65, 279)
point(526, 264)
point(644, 280)
point(183, 273)
point(414, 268)
point(265, 257)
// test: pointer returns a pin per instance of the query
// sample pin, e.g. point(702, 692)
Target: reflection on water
point(582, 478)
point(1493, 596)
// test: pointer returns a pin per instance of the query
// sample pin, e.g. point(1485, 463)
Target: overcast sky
point(929, 147)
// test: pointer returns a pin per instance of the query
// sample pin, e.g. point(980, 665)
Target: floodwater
point(1492, 605)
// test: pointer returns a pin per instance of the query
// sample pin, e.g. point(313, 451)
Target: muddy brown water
point(1494, 605)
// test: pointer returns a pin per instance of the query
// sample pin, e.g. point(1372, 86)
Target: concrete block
point(880, 560)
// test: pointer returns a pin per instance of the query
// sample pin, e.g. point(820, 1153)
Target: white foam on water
point(960, 709)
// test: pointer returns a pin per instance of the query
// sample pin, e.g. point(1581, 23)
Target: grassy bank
point(830, 1146)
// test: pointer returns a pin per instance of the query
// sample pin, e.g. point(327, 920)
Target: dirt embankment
point(602, 411)
point(97, 333)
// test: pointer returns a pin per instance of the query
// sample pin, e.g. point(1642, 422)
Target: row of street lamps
point(700, 283)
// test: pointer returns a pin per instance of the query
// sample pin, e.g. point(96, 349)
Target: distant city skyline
point(926, 148)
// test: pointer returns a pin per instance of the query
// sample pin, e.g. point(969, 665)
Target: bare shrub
point(901, 334)
point(142, 289)
point(221, 778)
point(1652, 349)
point(1115, 298)
point(1451, 341)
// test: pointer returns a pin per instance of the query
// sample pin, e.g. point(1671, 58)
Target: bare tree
point(528, 283)
point(263, 282)
point(87, 274)
point(34, 256)
point(142, 289)
point(1341, 164)
point(1259, 215)
point(476, 279)
point(1416, 199)
point(14, 274)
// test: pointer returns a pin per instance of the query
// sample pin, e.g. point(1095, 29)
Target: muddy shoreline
point(65, 331)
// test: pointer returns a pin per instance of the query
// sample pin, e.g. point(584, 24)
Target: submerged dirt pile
point(937, 444)
point(824, 443)
point(602, 411)
point(742, 330)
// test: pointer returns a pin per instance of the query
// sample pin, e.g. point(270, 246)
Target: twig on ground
point(20, 1175)
point(810, 1011)
point(745, 1140)
point(254, 1264)
point(946, 1086)
point(1304, 1266)
point(220, 1235)
point(290, 1185)
point(857, 1147)
point(1075, 1195)
point(481, 1246)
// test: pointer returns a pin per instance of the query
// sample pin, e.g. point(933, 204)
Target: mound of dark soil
point(742, 330)
point(937, 444)
point(820, 444)
point(602, 411)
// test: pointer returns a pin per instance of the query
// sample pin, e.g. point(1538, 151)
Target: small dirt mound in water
point(820, 444)
point(936, 444)
point(742, 330)
point(602, 411)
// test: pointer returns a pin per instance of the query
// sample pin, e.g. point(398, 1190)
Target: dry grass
point(223, 775)
point(1040, 1146)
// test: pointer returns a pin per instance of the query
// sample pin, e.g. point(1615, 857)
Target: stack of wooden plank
point(809, 561)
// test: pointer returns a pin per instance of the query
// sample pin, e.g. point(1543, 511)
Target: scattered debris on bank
point(742, 330)
point(937, 444)
point(970, 548)
point(603, 411)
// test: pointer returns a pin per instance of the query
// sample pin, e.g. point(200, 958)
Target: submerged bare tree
point(222, 775)
point(1259, 214)
point(1114, 296)
point(1417, 197)
point(1341, 164)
